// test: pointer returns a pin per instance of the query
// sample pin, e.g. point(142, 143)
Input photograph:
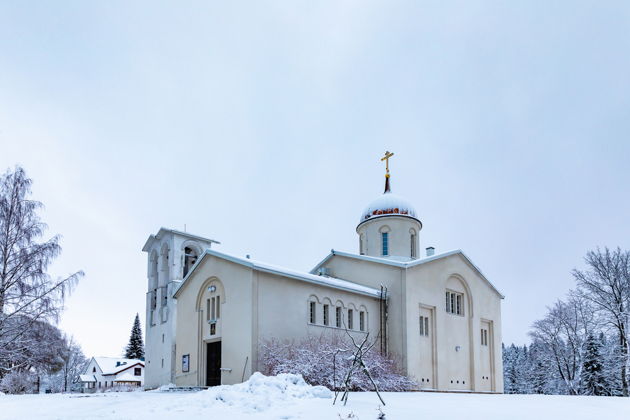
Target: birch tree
point(28, 294)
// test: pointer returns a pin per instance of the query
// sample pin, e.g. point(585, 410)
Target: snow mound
point(166, 387)
point(260, 392)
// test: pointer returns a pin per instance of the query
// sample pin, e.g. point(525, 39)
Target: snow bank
point(260, 392)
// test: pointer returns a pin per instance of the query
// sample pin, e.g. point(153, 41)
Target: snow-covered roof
point(147, 245)
point(406, 264)
point(128, 377)
point(112, 365)
point(286, 272)
point(87, 378)
point(388, 204)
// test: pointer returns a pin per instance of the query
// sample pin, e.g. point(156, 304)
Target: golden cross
point(386, 159)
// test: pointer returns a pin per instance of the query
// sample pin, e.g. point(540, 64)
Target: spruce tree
point(592, 377)
point(135, 348)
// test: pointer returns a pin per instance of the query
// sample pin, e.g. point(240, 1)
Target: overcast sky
point(261, 125)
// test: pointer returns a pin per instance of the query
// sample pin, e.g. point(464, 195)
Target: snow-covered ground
point(287, 397)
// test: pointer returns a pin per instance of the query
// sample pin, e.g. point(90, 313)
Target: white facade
point(106, 373)
point(440, 316)
point(170, 255)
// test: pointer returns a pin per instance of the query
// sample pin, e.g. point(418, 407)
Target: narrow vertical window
point(413, 245)
point(421, 325)
point(426, 325)
point(361, 245)
point(349, 319)
point(218, 307)
point(448, 302)
point(312, 312)
point(213, 310)
point(385, 238)
point(338, 317)
point(325, 314)
point(459, 304)
point(208, 318)
point(362, 321)
point(453, 303)
point(482, 337)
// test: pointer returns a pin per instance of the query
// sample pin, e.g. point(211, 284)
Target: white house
point(103, 373)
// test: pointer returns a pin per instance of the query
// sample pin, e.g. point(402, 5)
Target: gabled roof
point(285, 272)
point(163, 230)
point(407, 264)
point(87, 378)
point(108, 364)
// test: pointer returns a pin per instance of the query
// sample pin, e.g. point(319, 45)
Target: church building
point(208, 311)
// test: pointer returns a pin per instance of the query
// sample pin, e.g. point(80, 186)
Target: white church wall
point(236, 322)
point(457, 337)
point(374, 275)
point(284, 310)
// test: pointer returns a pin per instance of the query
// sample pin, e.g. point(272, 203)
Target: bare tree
point(606, 284)
point(27, 293)
point(564, 332)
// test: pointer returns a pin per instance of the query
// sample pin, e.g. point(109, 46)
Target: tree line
point(580, 347)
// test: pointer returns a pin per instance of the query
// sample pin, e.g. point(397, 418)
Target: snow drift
point(260, 392)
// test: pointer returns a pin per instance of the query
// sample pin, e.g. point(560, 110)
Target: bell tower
point(171, 254)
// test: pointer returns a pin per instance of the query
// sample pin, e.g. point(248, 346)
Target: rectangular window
point(413, 246)
point(312, 312)
point(385, 236)
point(137, 371)
point(349, 319)
point(455, 303)
point(325, 314)
point(362, 321)
point(484, 337)
point(218, 307)
point(338, 317)
point(424, 325)
point(212, 310)
point(208, 317)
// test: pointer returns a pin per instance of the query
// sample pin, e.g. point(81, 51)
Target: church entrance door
point(213, 363)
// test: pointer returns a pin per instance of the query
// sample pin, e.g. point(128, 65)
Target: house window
point(349, 319)
point(338, 317)
point(385, 241)
point(455, 303)
point(325, 314)
point(218, 307)
point(312, 318)
point(362, 321)
point(361, 245)
point(213, 309)
point(413, 245)
point(93, 369)
point(164, 296)
point(424, 325)
point(162, 362)
point(162, 338)
point(208, 317)
point(137, 372)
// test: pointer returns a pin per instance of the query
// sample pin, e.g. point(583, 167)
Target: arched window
point(190, 258)
point(362, 244)
point(412, 246)
point(385, 243)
